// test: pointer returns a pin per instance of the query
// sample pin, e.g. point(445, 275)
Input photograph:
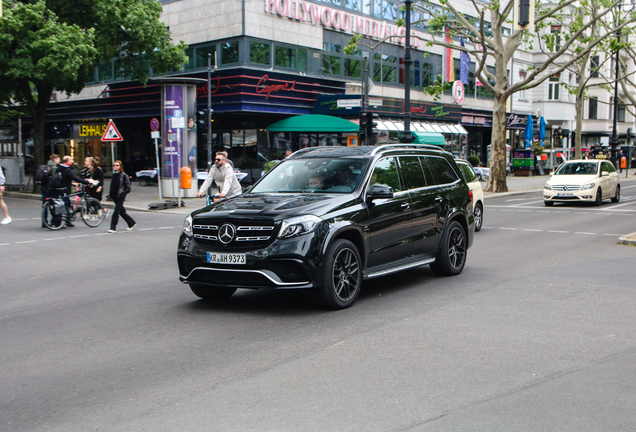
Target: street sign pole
point(158, 169)
point(209, 119)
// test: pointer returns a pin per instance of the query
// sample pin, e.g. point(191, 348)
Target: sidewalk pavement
point(141, 196)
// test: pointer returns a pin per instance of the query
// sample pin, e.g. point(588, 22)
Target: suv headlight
point(588, 186)
point(547, 186)
point(187, 226)
point(298, 225)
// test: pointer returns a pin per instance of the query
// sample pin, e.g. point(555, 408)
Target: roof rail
point(398, 146)
point(301, 151)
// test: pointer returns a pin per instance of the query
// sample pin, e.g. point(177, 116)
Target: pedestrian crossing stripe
point(111, 133)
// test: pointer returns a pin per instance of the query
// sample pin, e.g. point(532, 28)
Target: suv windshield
point(313, 175)
point(585, 168)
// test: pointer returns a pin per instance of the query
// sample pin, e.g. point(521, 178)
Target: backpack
point(43, 174)
point(55, 181)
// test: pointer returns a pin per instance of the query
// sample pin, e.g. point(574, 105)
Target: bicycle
point(54, 212)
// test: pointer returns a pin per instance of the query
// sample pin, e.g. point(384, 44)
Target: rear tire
point(599, 197)
point(212, 293)
point(479, 217)
point(617, 197)
point(49, 217)
point(451, 258)
point(342, 276)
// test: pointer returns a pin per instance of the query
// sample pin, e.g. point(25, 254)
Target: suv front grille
point(245, 233)
point(566, 188)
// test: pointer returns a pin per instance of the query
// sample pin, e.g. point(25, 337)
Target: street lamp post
point(407, 137)
point(614, 138)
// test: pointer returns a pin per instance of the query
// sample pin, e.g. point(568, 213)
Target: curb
point(628, 240)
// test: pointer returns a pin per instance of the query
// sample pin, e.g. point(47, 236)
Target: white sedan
point(583, 181)
point(475, 187)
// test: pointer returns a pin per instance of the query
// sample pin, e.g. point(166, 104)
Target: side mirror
point(551, 173)
point(604, 174)
point(380, 192)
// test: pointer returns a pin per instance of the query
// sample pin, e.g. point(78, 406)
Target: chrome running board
point(379, 273)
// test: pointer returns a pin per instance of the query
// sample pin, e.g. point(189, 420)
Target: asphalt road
point(537, 334)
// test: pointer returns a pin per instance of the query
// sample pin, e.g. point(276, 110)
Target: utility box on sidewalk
point(522, 162)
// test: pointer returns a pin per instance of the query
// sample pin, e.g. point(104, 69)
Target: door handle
point(439, 199)
point(405, 205)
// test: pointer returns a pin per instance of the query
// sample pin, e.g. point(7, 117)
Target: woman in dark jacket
point(119, 188)
point(92, 170)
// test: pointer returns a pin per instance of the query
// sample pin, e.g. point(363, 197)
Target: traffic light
point(524, 12)
point(202, 120)
point(370, 124)
point(362, 134)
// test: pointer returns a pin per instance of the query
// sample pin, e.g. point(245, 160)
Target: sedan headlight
point(547, 186)
point(588, 186)
point(187, 226)
point(298, 225)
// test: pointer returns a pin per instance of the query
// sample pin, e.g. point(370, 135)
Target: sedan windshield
point(585, 168)
point(312, 176)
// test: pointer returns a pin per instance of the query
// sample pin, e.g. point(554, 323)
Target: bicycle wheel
point(92, 212)
point(50, 219)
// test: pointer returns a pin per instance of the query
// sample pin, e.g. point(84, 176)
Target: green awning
point(429, 138)
point(316, 123)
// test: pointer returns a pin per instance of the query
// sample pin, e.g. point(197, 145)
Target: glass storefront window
point(190, 64)
point(202, 56)
point(352, 68)
point(302, 59)
point(284, 57)
point(259, 53)
point(230, 52)
point(331, 65)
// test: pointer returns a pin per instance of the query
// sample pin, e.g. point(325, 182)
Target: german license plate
point(565, 194)
point(226, 258)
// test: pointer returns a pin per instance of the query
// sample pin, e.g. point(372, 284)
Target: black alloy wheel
point(617, 197)
point(599, 197)
point(451, 258)
point(342, 277)
point(479, 216)
point(212, 293)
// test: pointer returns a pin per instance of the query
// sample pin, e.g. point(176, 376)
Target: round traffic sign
point(154, 124)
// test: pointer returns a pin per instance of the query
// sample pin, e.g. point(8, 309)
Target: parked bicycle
point(55, 214)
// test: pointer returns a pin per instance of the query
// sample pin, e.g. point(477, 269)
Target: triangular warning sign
point(111, 133)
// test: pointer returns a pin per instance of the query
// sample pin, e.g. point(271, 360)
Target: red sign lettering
point(268, 89)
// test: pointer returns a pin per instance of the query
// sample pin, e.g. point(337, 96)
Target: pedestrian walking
point(7, 219)
point(93, 171)
point(223, 176)
point(119, 188)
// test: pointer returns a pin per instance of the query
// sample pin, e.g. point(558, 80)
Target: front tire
point(599, 197)
point(548, 203)
point(93, 213)
point(617, 197)
point(479, 216)
point(451, 258)
point(50, 219)
point(212, 293)
point(342, 276)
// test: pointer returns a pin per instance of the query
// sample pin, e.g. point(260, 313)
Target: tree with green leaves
point(55, 45)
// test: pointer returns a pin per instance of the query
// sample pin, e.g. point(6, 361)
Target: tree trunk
point(497, 179)
point(38, 102)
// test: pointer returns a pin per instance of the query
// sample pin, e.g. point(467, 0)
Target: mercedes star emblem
point(226, 233)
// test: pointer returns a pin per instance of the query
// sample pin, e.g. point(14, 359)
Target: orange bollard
point(186, 178)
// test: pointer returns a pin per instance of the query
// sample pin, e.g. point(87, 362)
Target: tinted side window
point(428, 175)
point(412, 172)
point(385, 173)
point(443, 173)
point(467, 172)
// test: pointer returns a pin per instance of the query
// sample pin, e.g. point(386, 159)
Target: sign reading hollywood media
point(340, 20)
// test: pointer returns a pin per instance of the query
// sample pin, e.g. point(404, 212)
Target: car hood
point(276, 206)
point(577, 179)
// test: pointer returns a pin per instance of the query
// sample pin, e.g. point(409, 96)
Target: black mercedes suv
point(326, 218)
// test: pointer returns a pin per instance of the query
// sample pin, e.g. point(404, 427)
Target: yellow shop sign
point(92, 130)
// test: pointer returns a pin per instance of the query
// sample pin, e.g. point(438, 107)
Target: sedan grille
point(566, 188)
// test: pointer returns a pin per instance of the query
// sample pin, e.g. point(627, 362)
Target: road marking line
point(165, 227)
point(508, 210)
point(21, 219)
point(511, 229)
point(55, 238)
point(78, 236)
point(560, 232)
point(106, 233)
point(581, 212)
point(26, 241)
point(542, 211)
point(562, 212)
point(147, 229)
point(584, 233)
point(524, 211)
point(614, 235)
point(532, 230)
point(4, 244)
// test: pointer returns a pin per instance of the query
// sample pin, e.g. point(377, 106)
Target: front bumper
point(284, 264)
point(588, 195)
